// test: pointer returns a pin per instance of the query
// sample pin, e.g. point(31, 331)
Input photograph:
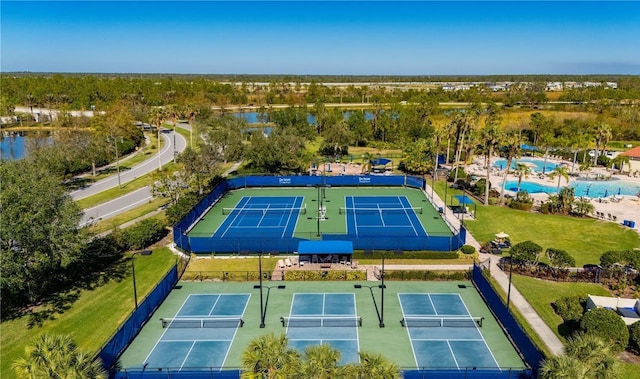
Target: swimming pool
point(587, 188)
point(538, 163)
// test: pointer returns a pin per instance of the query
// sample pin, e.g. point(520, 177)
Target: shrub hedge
point(570, 308)
point(634, 335)
point(143, 234)
point(607, 325)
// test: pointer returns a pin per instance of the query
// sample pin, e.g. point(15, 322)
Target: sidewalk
point(552, 342)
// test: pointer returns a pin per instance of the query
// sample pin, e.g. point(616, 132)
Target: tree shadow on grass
point(63, 300)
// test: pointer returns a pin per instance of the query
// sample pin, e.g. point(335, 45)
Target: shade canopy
point(325, 247)
point(380, 161)
point(464, 199)
point(502, 235)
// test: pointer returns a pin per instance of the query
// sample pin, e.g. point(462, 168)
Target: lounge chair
point(287, 262)
point(280, 263)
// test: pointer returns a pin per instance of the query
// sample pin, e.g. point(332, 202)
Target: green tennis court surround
point(373, 212)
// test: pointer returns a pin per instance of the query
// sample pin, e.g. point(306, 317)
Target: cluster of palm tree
point(57, 356)
point(269, 357)
point(586, 357)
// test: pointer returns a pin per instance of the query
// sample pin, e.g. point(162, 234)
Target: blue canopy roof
point(528, 147)
point(380, 161)
point(325, 247)
point(464, 199)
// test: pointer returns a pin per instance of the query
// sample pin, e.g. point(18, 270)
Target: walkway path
point(546, 334)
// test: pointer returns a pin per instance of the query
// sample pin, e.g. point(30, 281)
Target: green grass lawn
point(585, 239)
point(541, 294)
point(90, 316)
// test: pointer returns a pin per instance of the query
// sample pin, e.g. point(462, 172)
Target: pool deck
point(614, 208)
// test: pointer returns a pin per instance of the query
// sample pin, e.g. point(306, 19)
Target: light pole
point(133, 273)
point(115, 144)
point(510, 273)
point(263, 308)
point(375, 304)
point(319, 203)
point(382, 287)
point(263, 304)
point(159, 149)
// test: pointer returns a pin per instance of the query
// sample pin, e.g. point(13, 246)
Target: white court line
point(196, 340)
point(237, 215)
point(413, 350)
point(453, 355)
point(433, 305)
point(479, 332)
point(406, 213)
point(447, 339)
point(188, 353)
point(214, 304)
point(165, 331)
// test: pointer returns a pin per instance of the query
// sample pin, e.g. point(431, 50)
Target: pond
point(13, 145)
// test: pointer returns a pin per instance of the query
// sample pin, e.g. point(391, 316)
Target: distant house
point(634, 159)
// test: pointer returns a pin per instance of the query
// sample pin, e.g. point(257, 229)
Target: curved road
point(136, 198)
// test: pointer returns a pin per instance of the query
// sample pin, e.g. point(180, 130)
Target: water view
point(253, 117)
point(13, 145)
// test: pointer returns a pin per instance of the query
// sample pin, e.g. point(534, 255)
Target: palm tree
point(512, 142)
point(583, 207)
point(602, 134)
point(376, 366)
point(491, 138)
point(191, 112)
point(321, 362)
point(57, 356)
point(158, 116)
point(562, 367)
point(462, 123)
point(522, 171)
point(561, 172)
point(366, 162)
point(269, 356)
point(595, 353)
point(586, 356)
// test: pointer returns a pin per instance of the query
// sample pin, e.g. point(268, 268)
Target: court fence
point(527, 349)
point(324, 274)
point(137, 319)
point(208, 244)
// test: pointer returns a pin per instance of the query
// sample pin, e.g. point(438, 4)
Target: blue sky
point(354, 38)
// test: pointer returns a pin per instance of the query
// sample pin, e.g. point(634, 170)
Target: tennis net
point(400, 210)
point(263, 211)
point(317, 322)
point(214, 322)
point(435, 321)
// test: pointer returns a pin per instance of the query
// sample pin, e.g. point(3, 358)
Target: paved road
point(166, 155)
point(135, 198)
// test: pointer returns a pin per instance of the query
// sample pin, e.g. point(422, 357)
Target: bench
point(325, 265)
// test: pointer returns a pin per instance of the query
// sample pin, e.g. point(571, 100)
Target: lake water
point(13, 145)
point(252, 117)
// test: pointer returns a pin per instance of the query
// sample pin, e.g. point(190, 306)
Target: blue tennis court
point(262, 216)
point(200, 334)
point(376, 215)
point(331, 318)
point(443, 333)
